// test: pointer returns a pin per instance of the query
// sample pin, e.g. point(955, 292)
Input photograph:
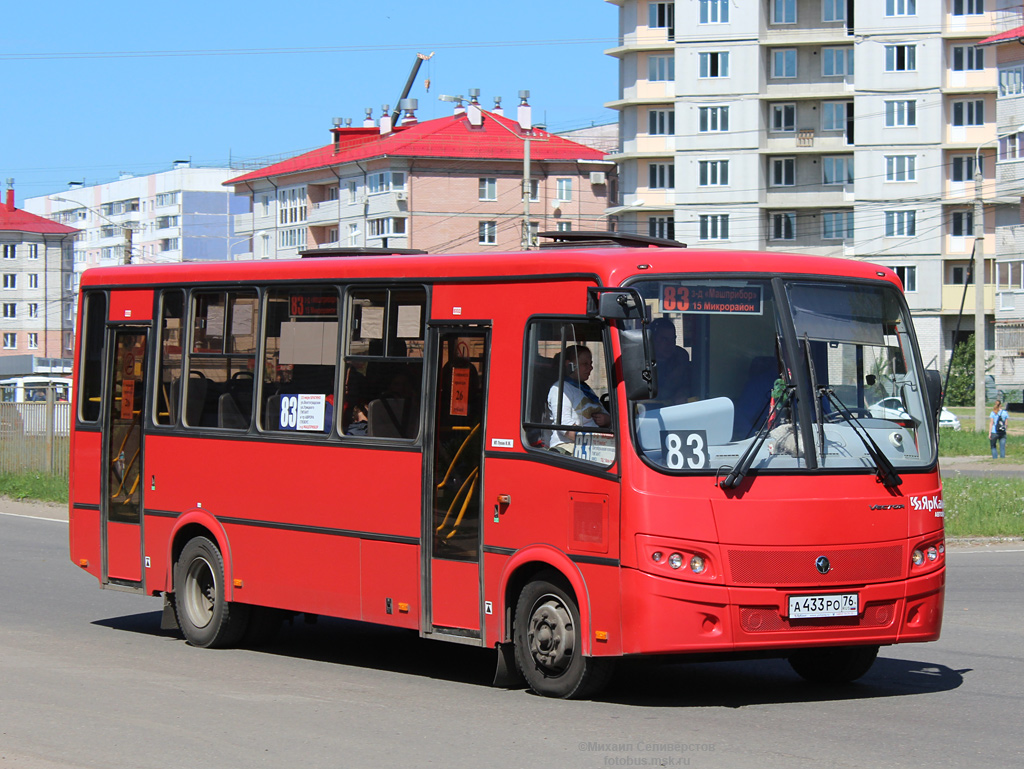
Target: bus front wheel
point(833, 665)
point(548, 643)
point(205, 616)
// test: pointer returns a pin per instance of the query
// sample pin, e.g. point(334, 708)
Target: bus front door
point(454, 486)
point(121, 506)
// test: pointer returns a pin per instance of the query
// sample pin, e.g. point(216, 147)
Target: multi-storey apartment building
point(183, 214)
point(35, 293)
point(1008, 364)
point(822, 126)
point(450, 184)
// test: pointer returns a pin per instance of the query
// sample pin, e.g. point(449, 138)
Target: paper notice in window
point(372, 325)
point(409, 321)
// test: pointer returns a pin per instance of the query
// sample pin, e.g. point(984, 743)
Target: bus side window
point(168, 395)
point(567, 388)
point(300, 359)
point(90, 380)
point(384, 363)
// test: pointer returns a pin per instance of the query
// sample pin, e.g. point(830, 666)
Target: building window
point(662, 16)
point(353, 234)
point(968, 7)
point(10, 310)
point(10, 250)
point(563, 190)
point(712, 119)
point(488, 233)
point(661, 176)
point(167, 199)
point(1010, 275)
point(291, 205)
point(163, 222)
point(353, 191)
point(961, 275)
point(1011, 147)
point(489, 189)
point(900, 113)
point(900, 168)
point(962, 224)
point(714, 64)
point(714, 11)
point(834, 115)
point(968, 57)
point(962, 168)
point(837, 225)
point(1011, 80)
point(170, 244)
point(837, 62)
point(900, 7)
point(661, 227)
point(33, 280)
point(784, 62)
point(33, 250)
point(713, 173)
point(907, 275)
point(33, 309)
point(783, 11)
point(293, 237)
point(33, 340)
point(900, 58)
point(534, 190)
point(784, 117)
point(833, 10)
point(661, 68)
point(10, 341)
point(10, 280)
point(900, 224)
point(783, 172)
point(714, 227)
point(837, 169)
point(783, 225)
point(970, 112)
point(661, 122)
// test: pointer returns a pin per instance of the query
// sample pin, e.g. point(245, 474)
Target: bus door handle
point(504, 500)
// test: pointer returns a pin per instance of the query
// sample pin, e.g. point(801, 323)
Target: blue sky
point(77, 102)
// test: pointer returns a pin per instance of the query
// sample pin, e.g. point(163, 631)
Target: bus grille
point(849, 566)
point(766, 619)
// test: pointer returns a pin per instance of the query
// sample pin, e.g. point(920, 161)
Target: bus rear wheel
point(548, 643)
point(205, 616)
point(833, 665)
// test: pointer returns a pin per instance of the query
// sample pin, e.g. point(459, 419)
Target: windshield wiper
point(818, 416)
point(886, 472)
point(781, 394)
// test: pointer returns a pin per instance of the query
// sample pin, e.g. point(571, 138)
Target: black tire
point(548, 643)
point(833, 665)
point(206, 619)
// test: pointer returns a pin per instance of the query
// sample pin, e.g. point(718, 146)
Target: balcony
point(952, 294)
point(324, 212)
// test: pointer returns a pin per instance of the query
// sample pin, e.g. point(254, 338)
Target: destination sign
point(707, 300)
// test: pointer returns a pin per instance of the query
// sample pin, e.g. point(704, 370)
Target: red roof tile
point(16, 220)
point(449, 137)
point(1010, 34)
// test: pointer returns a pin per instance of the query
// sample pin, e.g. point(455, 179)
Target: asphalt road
point(87, 679)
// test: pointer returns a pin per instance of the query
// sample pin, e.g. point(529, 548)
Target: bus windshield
point(845, 388)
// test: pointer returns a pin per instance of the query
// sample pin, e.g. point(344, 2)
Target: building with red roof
point(36, 263)
point(450, 184)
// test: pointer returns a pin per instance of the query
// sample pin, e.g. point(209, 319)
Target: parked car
point(948, 419)
point(889, 408)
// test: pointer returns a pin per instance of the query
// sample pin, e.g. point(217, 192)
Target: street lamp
point(979, 283)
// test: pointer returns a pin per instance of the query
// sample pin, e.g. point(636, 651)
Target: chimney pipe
point(497, 106)
point(525, 115)
point(10, 195)
point(474, 112)
point(385, 120)
point(409, 106)
point(368, 121)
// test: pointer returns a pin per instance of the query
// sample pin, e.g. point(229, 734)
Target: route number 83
point(685, 449)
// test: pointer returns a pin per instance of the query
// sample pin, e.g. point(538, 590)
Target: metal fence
point(34, 437)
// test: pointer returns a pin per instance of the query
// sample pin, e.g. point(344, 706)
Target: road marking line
point(34, 517)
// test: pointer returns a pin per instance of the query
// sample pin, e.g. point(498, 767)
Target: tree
point(960, 388)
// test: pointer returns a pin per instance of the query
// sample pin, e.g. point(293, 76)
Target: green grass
point(46, 488)
point(967, 443)
point(984, 507)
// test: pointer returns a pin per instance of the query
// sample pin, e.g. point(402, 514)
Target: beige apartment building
point(450, 184)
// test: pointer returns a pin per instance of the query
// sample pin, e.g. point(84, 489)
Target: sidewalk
point(981, 467)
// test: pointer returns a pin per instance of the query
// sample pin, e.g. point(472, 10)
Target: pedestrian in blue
point(997, 429)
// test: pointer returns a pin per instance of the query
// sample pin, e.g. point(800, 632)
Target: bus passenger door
point(121, 505)
point(454, 486)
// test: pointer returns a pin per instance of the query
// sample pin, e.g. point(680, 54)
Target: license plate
point(810, 606)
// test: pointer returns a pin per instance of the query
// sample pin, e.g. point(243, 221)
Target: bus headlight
point(932, 553)
point(917, 557)
point(656, 556)
point(697, 564)
point(675, 560)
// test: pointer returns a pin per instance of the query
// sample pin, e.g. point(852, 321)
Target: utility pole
point(979, 297)
point(127, 243)
point(523, 96)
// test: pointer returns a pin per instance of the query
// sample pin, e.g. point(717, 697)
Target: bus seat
point(391, 418)
point(752, 408)
point(229, 414)
point(195, 398)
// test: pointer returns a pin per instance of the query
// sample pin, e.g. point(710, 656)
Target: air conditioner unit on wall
point(400, 195)
point(598, 177)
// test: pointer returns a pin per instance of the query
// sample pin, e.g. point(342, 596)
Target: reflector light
point(83, 562)
point(236, 582)
point(697, 564)
point(403, 608)
point(942, 548)
point(917, 557)
point(601, 635)
point(932, 553)
point(656, 556)
point(675, 560)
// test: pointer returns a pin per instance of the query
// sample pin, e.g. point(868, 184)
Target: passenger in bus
point(674, 384)
point(579, 404)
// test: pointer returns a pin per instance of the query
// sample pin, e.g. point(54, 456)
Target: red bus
point(569, 455)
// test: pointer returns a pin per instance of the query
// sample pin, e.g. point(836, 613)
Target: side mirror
point(639, 372)
point(615, 304)
point(933, 386)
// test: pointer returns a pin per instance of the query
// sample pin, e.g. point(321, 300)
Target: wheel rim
point(551, 635)
point(200, 592)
